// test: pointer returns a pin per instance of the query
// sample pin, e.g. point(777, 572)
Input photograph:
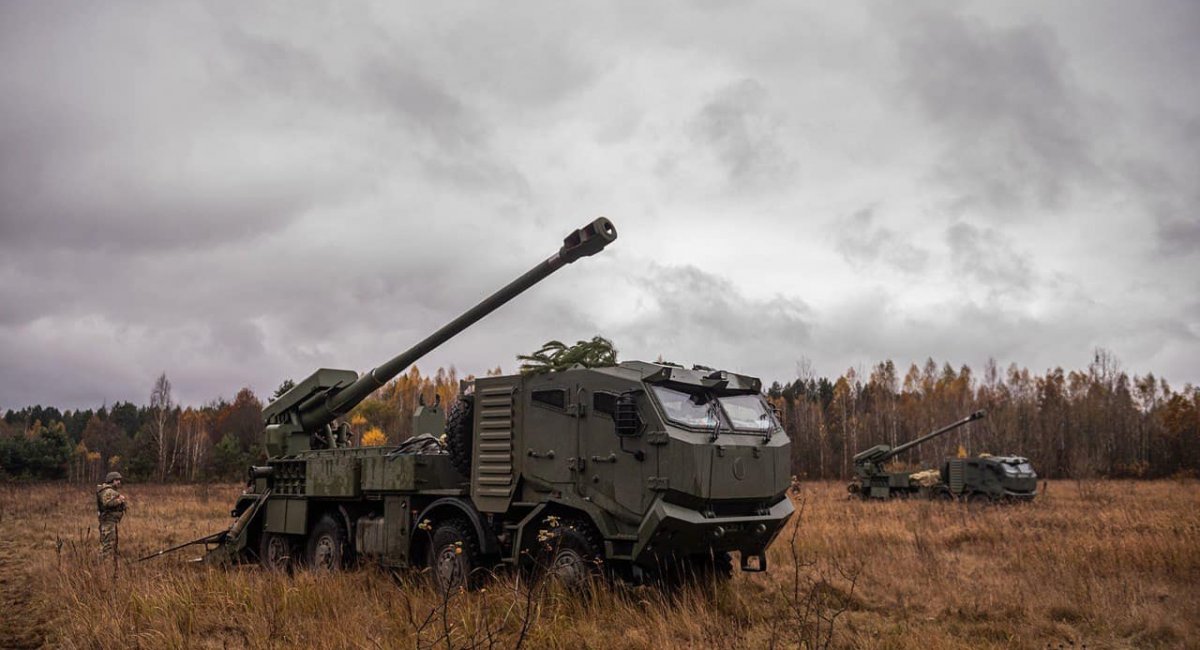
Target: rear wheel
point(453, 556)
point(277, 552)
point(327, 550)
point(460, 433)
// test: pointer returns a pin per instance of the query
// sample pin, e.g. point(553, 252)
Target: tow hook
point(758, 567)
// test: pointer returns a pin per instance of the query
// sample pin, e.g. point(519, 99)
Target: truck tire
point(327, 549)
point(453, 558)
point(711, 567)
point(460, 433)
point(977, 501)
point(277, 552)
point(573, 554)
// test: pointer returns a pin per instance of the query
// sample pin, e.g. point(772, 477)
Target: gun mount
point(302, 417)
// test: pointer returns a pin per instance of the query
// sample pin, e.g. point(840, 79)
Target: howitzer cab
point(642, 468)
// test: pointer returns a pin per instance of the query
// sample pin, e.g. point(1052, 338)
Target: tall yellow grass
point(1102, 564)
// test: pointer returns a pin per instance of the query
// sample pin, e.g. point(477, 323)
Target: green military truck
point(639, 470)
point(974, 479)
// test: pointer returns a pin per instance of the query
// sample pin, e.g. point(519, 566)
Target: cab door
point(616, 468)
point(550, 432)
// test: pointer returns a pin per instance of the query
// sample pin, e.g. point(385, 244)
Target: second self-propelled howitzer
point(974, 478)
point(579, 470)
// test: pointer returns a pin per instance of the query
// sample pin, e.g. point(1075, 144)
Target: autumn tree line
point(165, 441)
point(1096, 422)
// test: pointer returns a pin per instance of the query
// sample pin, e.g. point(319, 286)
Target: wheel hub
point(449, 567)
point(324, 552)
point(569, 566)
point(277, 551)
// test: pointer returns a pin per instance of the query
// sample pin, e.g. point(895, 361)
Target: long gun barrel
point(977, 415)
point(324, 407)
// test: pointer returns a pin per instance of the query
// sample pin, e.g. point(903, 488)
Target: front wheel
point(574, 552)
point(277, 552)
point(978, 501)
point(711, 567)
point(327, 549)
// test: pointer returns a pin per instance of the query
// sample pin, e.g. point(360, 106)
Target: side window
point(605, 403)
point(555, 398)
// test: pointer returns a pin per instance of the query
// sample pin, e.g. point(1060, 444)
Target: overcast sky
point(239, 194)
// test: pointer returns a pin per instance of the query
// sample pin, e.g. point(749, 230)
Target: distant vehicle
point(974, 479)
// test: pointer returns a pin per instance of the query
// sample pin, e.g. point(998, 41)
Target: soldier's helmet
point(112, 476)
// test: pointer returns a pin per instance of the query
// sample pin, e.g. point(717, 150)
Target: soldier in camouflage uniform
point(111, 507)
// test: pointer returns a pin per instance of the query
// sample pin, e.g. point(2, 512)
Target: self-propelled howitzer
point(875, 481)
point(637, 469)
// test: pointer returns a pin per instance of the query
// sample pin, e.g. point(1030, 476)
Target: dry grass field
point(1101, 565)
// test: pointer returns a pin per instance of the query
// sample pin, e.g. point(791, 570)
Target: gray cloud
point(685, 308)
point(862, 242)
point(1013, 121)
point(743, 131)
point(236, 193)
point(985, 255)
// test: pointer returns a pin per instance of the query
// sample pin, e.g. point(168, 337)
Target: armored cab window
point(688, 409)
point(747, 412)
point(555, 398)
point(605, 403)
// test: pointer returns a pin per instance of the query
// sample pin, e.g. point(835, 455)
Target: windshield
point(688, 409)
point(1023, 469)
point(747, 412)
point(696, 409)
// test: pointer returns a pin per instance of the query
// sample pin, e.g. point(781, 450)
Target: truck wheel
point(573, 553)
point(711, 567)
point(460, 433)
point(327, 546)
point(277, 552)
point(454, 556)
point(977, 500)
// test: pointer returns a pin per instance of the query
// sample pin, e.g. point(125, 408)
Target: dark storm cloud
point(1179, 236)
point(742, 130)
point(1174, 191)
point(1014, 122)
point(862, 242)
point(988, 257)
point(687, 308)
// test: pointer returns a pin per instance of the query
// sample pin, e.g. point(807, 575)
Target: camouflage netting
point(926, 478)
point(556, 355)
